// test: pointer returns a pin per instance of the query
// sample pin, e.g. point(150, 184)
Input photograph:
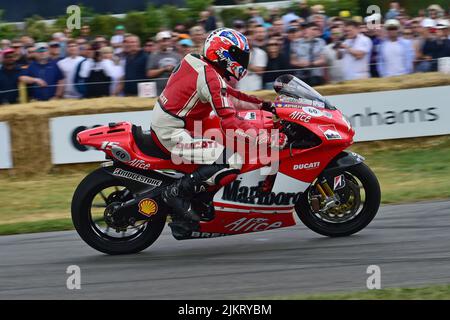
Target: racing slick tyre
point(95, 192)
point(350, 217)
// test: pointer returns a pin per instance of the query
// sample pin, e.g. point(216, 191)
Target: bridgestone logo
point(136, 177)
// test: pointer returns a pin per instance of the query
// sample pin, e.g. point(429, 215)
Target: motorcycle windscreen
point(292, 86)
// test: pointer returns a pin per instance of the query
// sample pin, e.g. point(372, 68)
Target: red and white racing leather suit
point(195, 89)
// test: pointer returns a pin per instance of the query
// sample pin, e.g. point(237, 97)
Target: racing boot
point(178, 196)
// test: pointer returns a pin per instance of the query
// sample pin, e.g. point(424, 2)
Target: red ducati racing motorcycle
point(117, 209)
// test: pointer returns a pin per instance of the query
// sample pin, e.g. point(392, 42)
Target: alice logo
point(148, 207)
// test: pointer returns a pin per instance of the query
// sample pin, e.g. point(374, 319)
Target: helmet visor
point(240, 56)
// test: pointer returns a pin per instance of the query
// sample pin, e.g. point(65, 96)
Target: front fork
point(329, 198)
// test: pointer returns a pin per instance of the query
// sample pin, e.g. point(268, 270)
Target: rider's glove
point(276, 141)
point(267, 106)
point(279, 143)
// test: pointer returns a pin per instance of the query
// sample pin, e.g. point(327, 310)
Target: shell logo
point(148, 207)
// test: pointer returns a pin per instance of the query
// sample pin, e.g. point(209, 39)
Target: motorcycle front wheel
point(360, 202)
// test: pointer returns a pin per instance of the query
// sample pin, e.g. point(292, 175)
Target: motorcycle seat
point(146, 145)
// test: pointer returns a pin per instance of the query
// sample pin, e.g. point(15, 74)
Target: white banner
point(63, 132)
point(375, 116)
point(5, 147)
point(397, 114)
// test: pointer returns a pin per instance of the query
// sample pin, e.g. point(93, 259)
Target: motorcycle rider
point(196, 87)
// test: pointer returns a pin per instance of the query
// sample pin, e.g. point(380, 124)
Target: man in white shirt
point(253, 81)
point(396, 55)
point(357, 48)
point(68, 67)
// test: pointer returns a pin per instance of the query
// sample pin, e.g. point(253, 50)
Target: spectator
point(31, 56)
point(198, 36)
point(274, 14)
point(112, 64)
point(255, 16)
point(277, 29)
point(61, 39)
point(275, 62)
point(394, 11)
point(427, 33)
point(288, 18)
point(68, 66)
point(357, 52)
point(375, 35)
point(259, 36)
point(334, 54)
point(185, 46)
point(434, 13)
point(304, 10)
point(117, 39)
point(437, 47)
point(293, 34)
point(309, 55)
point(320, 21)
point(101, 41)
point(239, 25)
point(317, 9)
point(54, 51)
point(44, 75)
point(150, 46)
point(161, 64)
point(19, 52)
point(396, 54)
point(97, 73)
point(86, 33)
point(256, 66)
point(9, 77)
point(26, 41)
point(135, 66)
point(5, 44)
point(208, 20)
point(444, 24)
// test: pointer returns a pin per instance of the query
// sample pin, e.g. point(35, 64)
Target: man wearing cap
point(396, 55)
point(437, 47)
point(54, 51)
point(44, 76)
point(161, 63)
point(9, 78)
point(185, 46)
point(117, 39)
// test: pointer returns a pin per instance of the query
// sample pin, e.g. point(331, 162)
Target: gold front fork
point(324, 189)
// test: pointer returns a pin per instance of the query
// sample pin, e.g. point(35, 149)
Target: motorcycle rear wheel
point(369, 209)
point(88, 229)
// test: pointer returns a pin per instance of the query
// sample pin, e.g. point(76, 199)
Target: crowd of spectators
point(309, 44)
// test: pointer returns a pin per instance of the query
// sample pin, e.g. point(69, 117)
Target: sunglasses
point(272, 44)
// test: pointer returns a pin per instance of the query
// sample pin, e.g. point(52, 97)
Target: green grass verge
point(36, 226)
point(408, 170)
point(439, 292)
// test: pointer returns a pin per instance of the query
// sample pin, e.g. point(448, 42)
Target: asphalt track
point(410, 243)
